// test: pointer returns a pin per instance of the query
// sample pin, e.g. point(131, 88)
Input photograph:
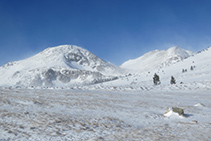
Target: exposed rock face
point(51, 77)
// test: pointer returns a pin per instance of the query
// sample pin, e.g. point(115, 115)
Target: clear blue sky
point(115, 30)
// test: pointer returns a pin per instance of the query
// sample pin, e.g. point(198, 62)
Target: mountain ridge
point(157, 59)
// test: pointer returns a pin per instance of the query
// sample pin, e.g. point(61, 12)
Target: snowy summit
point(58, 66)
point(157, 59)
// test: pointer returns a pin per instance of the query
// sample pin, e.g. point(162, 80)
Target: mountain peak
point(157, 59)
point(174, 49)
point(67, 56)
point(177, 51)
point(61, 65)
point(63, 48)
point(70, 57)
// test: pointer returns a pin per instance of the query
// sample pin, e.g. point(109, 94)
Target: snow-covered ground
point(44, 114)
point(80, 103)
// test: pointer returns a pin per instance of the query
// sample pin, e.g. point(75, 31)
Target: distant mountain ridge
point(63, 65)
point(157, 59)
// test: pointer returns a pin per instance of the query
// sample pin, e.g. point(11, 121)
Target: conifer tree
point(183, 70)
point(191, 68)
point(156, 79)
point(173, 81)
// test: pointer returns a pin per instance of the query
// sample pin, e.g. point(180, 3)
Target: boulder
point(171, 110)
point(180, 111)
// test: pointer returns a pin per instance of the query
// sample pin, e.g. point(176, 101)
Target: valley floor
point(36, 114)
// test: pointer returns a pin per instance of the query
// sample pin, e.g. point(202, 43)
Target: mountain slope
point(197, 76)
point(197, 68)
point(58, 66)
point(157, 59)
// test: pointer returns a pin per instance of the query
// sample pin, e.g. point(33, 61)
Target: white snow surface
point(44, 114)
point(157, 59)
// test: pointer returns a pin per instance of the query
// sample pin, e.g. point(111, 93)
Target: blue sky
point(115, 30)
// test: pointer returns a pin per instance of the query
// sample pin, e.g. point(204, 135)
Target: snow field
point(43, 114)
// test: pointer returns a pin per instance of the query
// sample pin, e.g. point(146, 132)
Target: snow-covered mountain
point(157, 59)
point(194, 69)
point(63, 65)
point(71, 65)
point(192, 73)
